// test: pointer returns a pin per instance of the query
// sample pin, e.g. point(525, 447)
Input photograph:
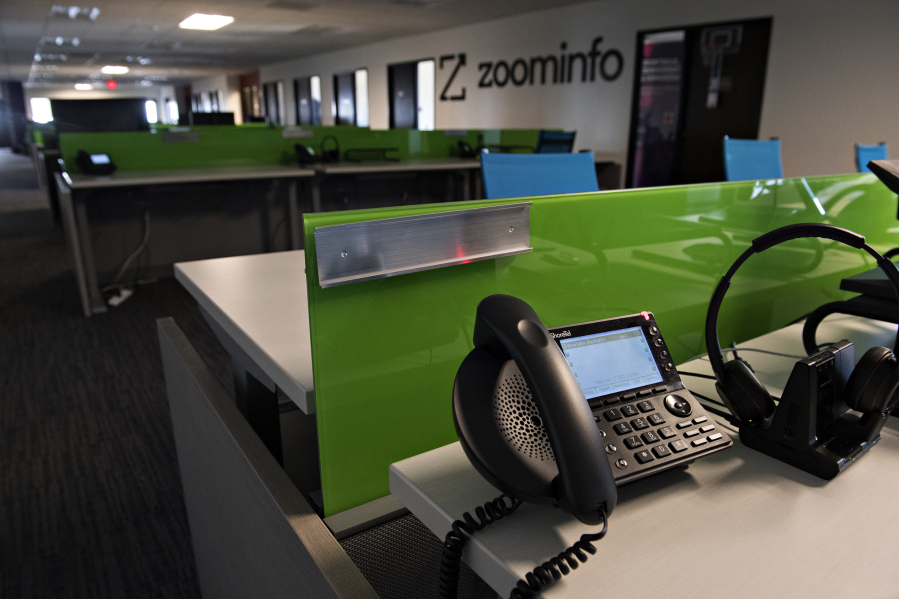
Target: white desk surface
point(733, 524)
point(379, 166)
point(198, 175)
point(260, 301)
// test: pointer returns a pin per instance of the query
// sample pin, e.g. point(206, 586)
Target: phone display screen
point(610, 362)
point(100, 158)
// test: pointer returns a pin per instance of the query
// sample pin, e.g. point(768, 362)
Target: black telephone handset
point(305, 155)
point(465, 150)
point(522, 418)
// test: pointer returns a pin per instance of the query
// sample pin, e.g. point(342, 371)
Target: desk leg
point(87, 254)
point(317, 192)
point(74, 243)
point(259, 406)
point(293, 213)
point(466, 185)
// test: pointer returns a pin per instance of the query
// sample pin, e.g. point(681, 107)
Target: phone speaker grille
point(519, 420)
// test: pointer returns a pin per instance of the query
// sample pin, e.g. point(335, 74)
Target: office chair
point(555, 142)
point(748, 159)
point(521, 175)
point(866, 153)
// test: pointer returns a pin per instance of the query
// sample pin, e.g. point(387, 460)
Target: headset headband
point(769, 240)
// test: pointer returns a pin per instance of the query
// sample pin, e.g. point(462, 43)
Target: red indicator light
point(111, 84)
point(645, 314)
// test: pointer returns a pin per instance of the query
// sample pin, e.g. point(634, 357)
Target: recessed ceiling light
point(84, 87)
point(114, 70)
point(205, 22)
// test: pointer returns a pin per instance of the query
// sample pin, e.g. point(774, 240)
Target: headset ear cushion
point(872, 386)
point(743, 394)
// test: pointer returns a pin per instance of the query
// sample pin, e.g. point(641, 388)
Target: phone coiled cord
point(451, 562)
point(545, 575)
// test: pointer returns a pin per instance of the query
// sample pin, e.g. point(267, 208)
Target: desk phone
point(648, 420)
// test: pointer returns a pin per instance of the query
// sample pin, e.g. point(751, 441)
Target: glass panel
point(40, 110)
point(425, 83)
point(385, 352)
point(152, 115)
point(362, 97)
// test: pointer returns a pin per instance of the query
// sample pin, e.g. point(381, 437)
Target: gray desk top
point(260, 302)
point(733, 524)
point(161, 177)
point(441, 164)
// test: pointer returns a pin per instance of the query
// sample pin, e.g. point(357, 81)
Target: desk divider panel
point(246, 145)
point(385, 352)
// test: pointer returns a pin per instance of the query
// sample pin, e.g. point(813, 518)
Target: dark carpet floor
point(90, 497)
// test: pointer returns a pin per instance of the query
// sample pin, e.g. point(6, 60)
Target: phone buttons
point(612, 414)
point(666, 432)
point(610, 449)
point(698, 442)
point(644, 456)
point(633, 443)
point(678, 446)
point(622, 428)
point(661, 451)
point(655, 419)
point(715, 437)
point(639, 424)
point(692, 433)
point(650, 437)
point(629, 411)
point(677, 405)
point(653, 330)
point(621, 463)
point(646, 406)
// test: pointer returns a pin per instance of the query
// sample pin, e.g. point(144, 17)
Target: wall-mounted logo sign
point(551, 69)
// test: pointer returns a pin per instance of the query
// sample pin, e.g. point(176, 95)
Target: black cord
point(454, 543)
point(545, 575)
point(536, 581)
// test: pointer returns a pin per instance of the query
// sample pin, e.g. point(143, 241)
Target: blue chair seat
point(866, 153)
point(522, 175)
point(749, 159)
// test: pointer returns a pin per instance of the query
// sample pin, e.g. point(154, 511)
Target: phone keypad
point(658, 442)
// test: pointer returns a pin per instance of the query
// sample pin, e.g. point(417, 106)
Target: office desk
point(470, 188)
point(75, 193)
point(734, 524)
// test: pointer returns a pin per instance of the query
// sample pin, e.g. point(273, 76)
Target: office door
point(403, 85)
point(345, 94)
point(693, 86)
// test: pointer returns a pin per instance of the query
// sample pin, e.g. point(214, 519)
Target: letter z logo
point(459, 64)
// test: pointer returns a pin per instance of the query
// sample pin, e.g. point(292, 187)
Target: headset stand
point(812, 428)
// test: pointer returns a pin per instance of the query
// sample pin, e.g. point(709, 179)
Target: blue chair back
point(748, 159)
point(555, 142)
point(866, 153)
point(522, 175)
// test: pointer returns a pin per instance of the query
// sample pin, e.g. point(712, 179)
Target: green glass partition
point(247, 145)
point(385, 352)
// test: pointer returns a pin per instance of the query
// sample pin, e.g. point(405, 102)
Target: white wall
point(831, 73)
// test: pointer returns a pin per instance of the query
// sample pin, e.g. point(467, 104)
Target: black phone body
point(648, 420)
point(94, 164)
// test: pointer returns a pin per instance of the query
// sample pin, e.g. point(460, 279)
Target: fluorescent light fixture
point(84, 87)
point(113, 70)
point(205, 22)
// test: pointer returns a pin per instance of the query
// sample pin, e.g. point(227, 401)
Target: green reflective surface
point(385, 352)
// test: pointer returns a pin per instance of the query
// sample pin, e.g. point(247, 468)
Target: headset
point(870, 389)
point(331, 154)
